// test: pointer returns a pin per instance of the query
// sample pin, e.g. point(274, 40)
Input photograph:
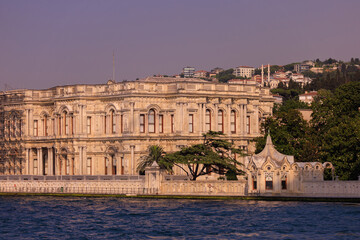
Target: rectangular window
point(221, 121)
point(13, 128)
point(66, 121)
point(208, 120)
point(67, 161)
point(45, 126)
point(122, 165)
point(113, 122)
point(161, 123)
point(8, 128)
point(20, 128)
point(254, 182)
point(36, 128)
point(248, 124)
point(191, 123)
point(105, 119)
point(233, 122)
point(283, 184)
point(268, 181)
point(88, 166)
point(142, 123)
point(121, 123)
point(36, 167)
point(151, 121)
point(53, 126)
point(72, 125)
point(269, 185)
point(172, 123)
point(88, 125)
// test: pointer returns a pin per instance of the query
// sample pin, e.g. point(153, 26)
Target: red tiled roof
point(309, 94)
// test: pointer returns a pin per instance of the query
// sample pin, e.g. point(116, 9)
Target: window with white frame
point(191, 123)
point(151, 121)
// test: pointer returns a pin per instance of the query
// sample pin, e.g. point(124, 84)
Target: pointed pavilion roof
point(269, 151)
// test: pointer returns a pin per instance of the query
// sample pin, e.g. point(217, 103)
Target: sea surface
point(42, 217)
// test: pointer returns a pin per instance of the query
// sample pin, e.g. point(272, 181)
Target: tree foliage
point(155, 154)
point(226, 75)
point(332, 135)
point(216, 154)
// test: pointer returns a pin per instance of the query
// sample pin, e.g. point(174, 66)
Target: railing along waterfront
point(80, 190)
point(72, 178)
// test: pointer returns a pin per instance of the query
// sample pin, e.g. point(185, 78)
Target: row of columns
point(61, 165)
point(66, 164)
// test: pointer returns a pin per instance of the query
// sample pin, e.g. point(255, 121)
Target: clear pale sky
point(50, 43)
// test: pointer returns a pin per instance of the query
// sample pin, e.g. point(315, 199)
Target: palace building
point(104, 129)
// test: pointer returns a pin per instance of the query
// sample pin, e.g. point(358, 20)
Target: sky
point(47, 43)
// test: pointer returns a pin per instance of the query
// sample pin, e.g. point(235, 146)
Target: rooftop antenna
point(113, 76)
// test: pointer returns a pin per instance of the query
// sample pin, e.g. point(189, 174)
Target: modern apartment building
point(244, 71)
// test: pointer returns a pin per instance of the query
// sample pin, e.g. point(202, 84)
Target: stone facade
point(104, 129)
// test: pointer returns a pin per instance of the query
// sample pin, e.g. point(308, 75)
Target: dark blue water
point(124, 218)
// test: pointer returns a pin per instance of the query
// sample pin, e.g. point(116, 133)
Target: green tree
point(216, 154)
point(226, 75)
point(336, 126)
point(155, 154)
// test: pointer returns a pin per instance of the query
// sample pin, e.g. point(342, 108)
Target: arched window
point(151, 121)
point(221, 121)
point(66, 123)
point(207, 120)
point(113, 122)
point(233, 121)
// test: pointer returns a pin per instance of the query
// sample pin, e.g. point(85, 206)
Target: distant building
point(188, 72)
point(278, 98)
point(299, 68)
point(244, 71)
point(300, 79)
point(308, 97)
point(309, 62)
point(317, 69)
point(200, 74)
point(280, 75)
point(216, 70)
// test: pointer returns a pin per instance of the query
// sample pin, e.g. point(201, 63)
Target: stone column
point(227, 120)
point(81, 113)
point(215, 122)
point(204, 117)
point(40, 162)
point(181, 117)
point(245, 119)
point(133, 166)
point(27, 150)
point(50, 161)
point(57, 164)
point(132, 117)
point(118, 164)
point(27, 130)
point(80, 160)
point(256, 120)
point(31, 123)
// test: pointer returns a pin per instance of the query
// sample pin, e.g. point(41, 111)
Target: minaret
point(262, 75)
point(268, 72)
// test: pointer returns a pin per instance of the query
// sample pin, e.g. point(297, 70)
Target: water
point(124, 218)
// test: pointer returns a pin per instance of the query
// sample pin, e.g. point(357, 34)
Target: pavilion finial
point(268, 139)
